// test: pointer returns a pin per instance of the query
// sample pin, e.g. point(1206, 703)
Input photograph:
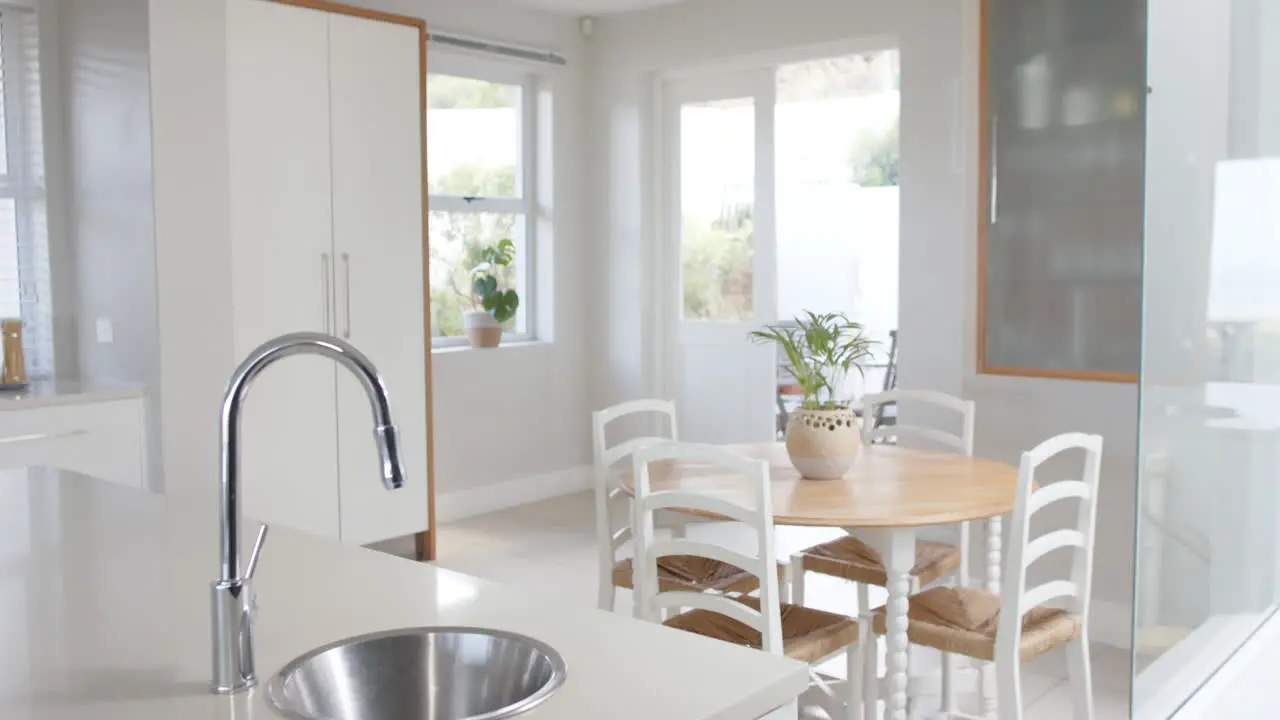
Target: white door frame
point(671, 333)
point(661, 289)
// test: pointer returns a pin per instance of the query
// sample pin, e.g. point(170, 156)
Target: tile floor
point(549, 548)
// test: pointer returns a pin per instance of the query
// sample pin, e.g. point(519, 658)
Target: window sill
point(506, 345)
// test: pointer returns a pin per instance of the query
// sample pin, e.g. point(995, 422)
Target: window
point(481, 146)
point(24, 247)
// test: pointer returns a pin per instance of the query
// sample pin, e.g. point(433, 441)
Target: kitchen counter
point(104, 614)
point(44, 393)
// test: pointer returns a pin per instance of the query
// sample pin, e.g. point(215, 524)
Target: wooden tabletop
point(888, 486)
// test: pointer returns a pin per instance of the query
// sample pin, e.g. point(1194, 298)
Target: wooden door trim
point(425, 542)
point(984, 200)
point(341, 9)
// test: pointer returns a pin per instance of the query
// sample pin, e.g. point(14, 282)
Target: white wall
point(503, 415)
point(106, 225)
point(938, 243)
point(192, 225)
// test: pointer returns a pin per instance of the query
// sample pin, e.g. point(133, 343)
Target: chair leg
point(795, 579)
point(607, 595)
point(864, 598)
point(1078, 671)
point(870, 669)
point(1008, 688)
point(855, 657)
point(990, 687)
point(948, 685)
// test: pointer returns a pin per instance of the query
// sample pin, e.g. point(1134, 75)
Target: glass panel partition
point(1208, 571)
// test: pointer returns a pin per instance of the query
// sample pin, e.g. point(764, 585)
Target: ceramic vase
point(822, 444)
point(481, 329)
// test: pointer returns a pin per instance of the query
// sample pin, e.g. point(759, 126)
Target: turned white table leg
point(988, 680)
point(898, 548)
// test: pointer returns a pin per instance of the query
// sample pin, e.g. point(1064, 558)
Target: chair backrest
point(871, 405)
point(608, 536)
point(891, 365)
point(1016, 599)
point(649, 598)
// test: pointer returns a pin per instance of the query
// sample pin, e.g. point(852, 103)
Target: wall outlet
point(106, 333)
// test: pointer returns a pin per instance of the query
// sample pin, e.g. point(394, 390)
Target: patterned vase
point(822, 444)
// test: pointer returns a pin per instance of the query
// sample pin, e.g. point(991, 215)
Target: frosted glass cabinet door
point(378, 237)
point(1062, 185)
point(281, 245)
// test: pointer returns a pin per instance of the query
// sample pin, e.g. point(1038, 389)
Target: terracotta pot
point(481, 329)
point(822, 444)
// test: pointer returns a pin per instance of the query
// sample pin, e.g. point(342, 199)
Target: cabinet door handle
point(327, 291)
point(41, 436)
point(346, 267)
point(993, 212)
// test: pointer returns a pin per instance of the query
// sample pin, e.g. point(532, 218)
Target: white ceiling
point(593, 7)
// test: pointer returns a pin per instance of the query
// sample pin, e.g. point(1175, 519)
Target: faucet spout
point(233, 661)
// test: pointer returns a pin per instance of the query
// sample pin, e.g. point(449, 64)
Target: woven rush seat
point(852, 559)
point(691, 573)
point(808, 635)
point(964, 621)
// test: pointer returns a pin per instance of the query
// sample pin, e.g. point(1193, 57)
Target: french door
point(719, 255)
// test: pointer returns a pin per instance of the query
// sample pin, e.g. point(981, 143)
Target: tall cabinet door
point(376, 115)
point(282, 257)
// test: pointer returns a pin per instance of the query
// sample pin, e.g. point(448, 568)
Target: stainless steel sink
point(429, 673)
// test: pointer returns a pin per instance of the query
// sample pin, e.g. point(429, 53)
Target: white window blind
point(24, 237)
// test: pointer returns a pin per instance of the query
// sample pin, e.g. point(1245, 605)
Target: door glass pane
point(1208, 569)
point(717, 202)
point(474, 132)
point(837, 194)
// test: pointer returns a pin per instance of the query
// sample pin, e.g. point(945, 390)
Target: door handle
point(993, 212)
point(346, 267)
point(326, 291)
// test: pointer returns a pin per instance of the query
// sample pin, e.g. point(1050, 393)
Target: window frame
point(526, 205)
point(25, 181)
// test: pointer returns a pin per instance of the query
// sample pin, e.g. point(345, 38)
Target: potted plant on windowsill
point(822, 435)
point(492, 304)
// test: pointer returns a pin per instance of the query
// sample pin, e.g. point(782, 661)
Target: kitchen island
point(104, 614)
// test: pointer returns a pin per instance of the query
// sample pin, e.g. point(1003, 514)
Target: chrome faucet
point(233, 603)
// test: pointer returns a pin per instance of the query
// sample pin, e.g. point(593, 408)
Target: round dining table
point(887, 494)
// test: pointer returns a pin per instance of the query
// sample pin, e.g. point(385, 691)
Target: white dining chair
point(851, 559)
point(613, 530)
point(763, 622)
point(1016, 623)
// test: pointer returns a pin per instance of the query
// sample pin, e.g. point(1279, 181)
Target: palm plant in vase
point(821, 350)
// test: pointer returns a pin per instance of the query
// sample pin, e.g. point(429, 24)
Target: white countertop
point(43, 393)
point(104, 613)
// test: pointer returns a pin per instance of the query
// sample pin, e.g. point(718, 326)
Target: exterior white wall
point(500, 416)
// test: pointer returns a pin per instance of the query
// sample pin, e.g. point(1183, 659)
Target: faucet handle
point(252, 567)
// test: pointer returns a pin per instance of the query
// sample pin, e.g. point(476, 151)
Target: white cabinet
point(105, 440)
point(327, 235)
point(376, 130)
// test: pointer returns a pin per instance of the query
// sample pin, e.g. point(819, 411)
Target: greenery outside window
point(481, 149)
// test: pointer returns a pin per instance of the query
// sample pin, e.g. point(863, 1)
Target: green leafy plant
point(820, 349)
point(486, 292)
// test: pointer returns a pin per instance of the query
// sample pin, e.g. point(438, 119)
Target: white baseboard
point(463, 504)
point(1111, 623)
